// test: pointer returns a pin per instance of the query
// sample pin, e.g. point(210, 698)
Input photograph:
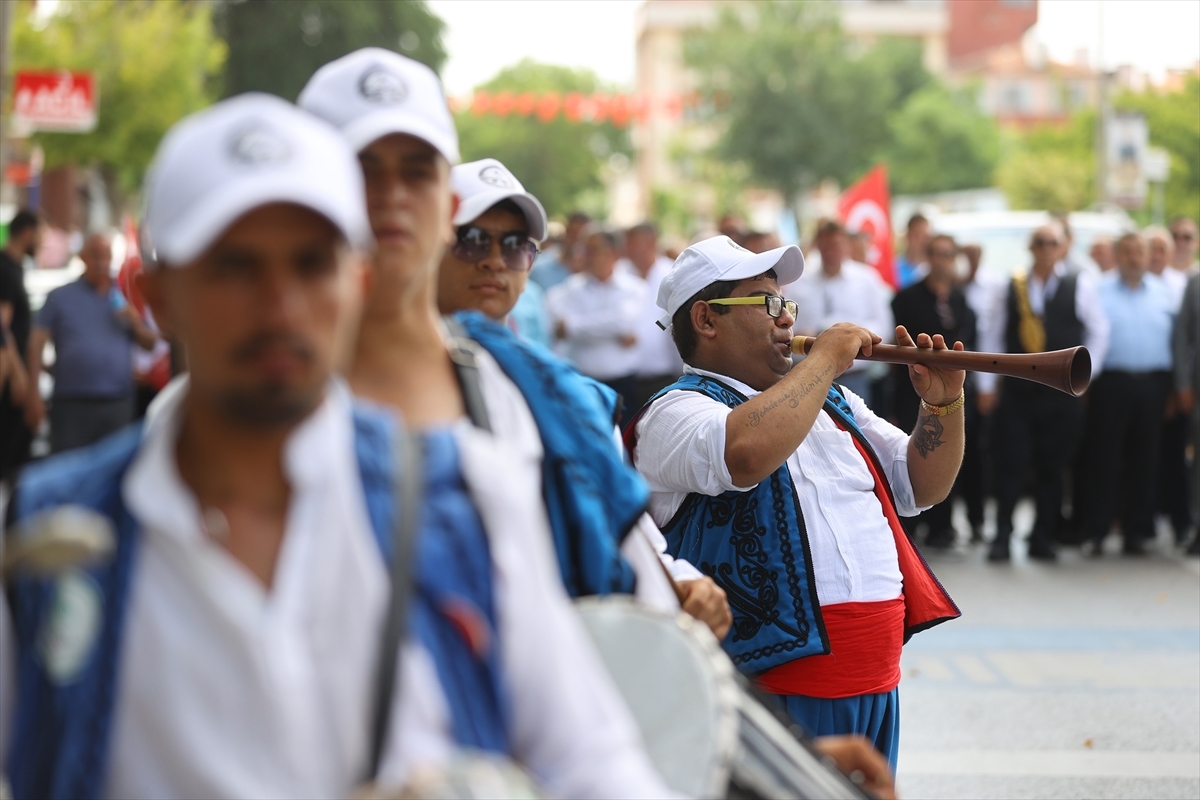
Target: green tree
point(792, 99)
point(558, 161)
point(940, 142)
point(276, 45)
point(154, 63)
point(1051, 166)
point(1174, 122)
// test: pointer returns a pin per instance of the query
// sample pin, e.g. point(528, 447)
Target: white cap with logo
point(481, 184)
point(722, 259)
point(242, 153)
point(373, 92)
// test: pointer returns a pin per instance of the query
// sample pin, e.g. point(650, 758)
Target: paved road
point(1079, 679)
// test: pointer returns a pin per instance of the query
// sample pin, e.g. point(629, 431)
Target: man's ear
point(455, 202)
point(150, 284)
point(704, 320)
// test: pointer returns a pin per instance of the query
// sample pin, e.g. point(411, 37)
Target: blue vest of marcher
point(592, 496)
point(62, 728)
point(755, 546)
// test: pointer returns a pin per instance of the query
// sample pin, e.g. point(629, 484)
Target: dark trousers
point(626, 386)
point(1124, 430)
point(80, 421)
point(1036, 428)
point(15, 437)
point(1173, 474)
point(973, 476)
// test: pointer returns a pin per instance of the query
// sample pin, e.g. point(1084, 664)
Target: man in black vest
point(1044, 309)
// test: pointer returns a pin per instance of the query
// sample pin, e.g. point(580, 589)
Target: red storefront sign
point(54, 101)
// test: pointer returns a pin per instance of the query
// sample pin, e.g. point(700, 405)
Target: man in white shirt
point(842, 290)
point(1037, 427)
point(658, 361)
point(596, 314)
point(786, 489)
point(259, 500)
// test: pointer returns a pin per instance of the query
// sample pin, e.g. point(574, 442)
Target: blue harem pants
point(875, 716)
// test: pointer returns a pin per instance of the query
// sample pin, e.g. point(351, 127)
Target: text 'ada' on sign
point(54, 101)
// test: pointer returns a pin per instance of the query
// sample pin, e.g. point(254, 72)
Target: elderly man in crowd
point(1037, 427)
point(1101, 252)
point(786, 489)
point(842, 290)
point(658, 361)
point(93, 328)
point(554, 267)
point(935, 305)
point(1125, 404)
point(597, 313)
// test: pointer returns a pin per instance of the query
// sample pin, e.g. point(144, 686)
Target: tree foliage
point(276, 45)
point(1051, 166)
point(793, 99)
point(154, 62)
point(558, 161)
point(1174, 121)
point(940, 142)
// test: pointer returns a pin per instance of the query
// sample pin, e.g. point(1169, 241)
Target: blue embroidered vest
point(61, 729)
point(754, 546)
point(592, 496)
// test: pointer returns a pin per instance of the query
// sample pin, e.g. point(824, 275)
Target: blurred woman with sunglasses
point(499, 226)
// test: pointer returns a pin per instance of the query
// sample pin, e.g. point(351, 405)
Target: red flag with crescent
point(866, 208)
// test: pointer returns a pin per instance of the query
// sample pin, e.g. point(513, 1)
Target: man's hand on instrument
point(937, 387)
point(842, 343)
point(855, 758)
point(705, 601)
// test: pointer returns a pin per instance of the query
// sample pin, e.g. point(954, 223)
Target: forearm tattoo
point(928, 435)
point(792, 398)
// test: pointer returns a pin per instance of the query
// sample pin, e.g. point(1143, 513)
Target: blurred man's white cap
point(373, 93)
point(240, 154)
point(481, 184)
point(722, 259)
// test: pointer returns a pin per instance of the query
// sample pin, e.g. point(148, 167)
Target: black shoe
point(977, 534)
point(1040, 550)
point(942, 540)
point(999, 551)
point(1133, 548)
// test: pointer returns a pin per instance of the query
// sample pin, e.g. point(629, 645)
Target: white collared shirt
point(1087, 308)
point(681, 449)
point(596, 315)
point(656, 351)
point(855, 294)
point(228, 689)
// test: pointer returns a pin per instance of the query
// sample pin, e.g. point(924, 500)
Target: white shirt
point(981, 294)
point(681, 449)
point(229, 689)
point(1087, 308)
point(656, 351)
point(596, 315)
point(855, 294)
point(1175, 280)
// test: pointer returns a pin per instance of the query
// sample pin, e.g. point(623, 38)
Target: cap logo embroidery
point(258, 146)
point(736, 246)
point(498, 177)
point(381, 86)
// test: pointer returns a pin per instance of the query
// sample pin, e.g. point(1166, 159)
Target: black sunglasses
point(474, 244)
point(1040, 242)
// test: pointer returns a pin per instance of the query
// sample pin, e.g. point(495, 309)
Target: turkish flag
point(866, 208)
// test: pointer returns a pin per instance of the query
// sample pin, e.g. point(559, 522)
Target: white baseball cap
point(240, 154)
point(481, 184)
point(374, 92)
point(722, 259)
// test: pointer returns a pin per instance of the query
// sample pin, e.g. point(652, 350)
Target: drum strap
point(409, 489)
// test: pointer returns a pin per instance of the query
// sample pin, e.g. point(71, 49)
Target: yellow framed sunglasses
point(774, 303)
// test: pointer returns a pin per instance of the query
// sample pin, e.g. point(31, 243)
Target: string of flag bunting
point(575, 107)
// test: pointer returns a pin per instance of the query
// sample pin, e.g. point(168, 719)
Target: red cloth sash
point(864, 658)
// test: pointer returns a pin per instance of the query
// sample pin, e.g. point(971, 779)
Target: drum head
point(679, 686)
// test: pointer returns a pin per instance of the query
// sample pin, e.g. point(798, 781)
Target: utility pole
point(5, 17)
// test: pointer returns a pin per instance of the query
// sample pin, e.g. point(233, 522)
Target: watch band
point(946, 410)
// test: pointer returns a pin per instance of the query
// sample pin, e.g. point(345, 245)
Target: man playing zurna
point(234, 645)
point(786, 489)
point(564, 475)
